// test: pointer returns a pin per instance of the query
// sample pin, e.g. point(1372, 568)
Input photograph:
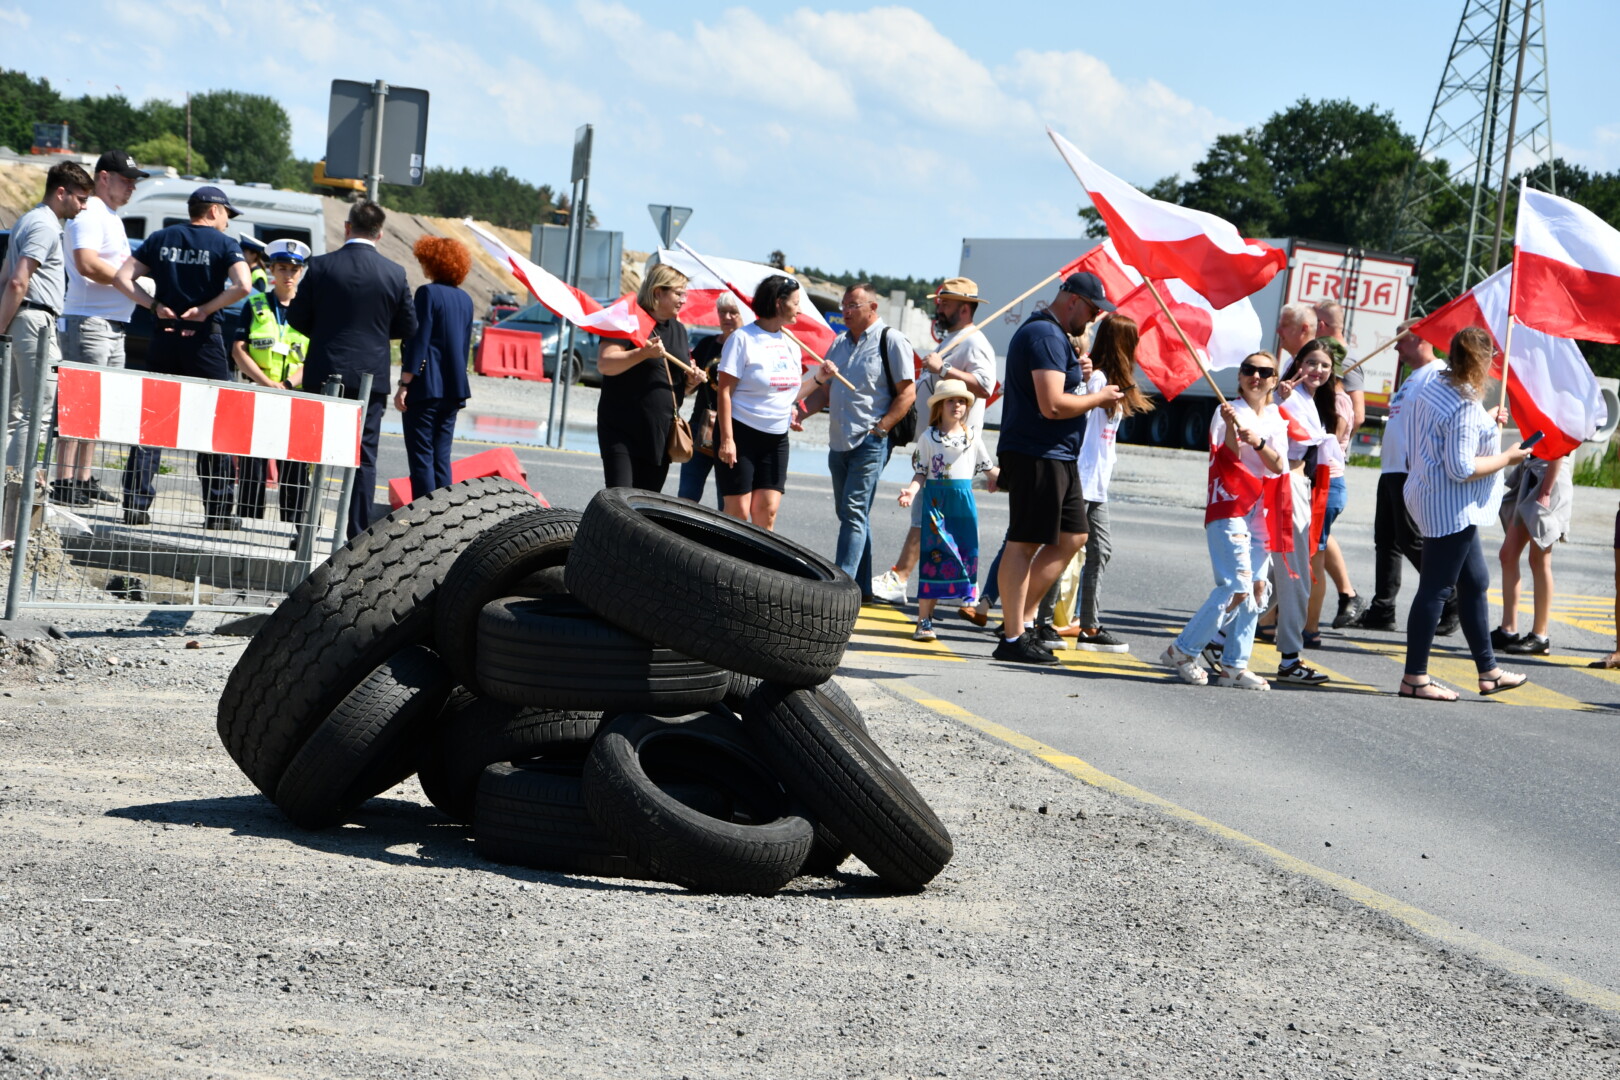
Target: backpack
point(904, 432)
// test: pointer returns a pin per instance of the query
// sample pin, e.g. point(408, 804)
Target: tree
point(495, 196)
point(107, 123)
point(169, 149)
point(1236, 181)
point(246, 136)
point(23, 101)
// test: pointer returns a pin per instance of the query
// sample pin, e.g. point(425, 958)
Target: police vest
point(259, 280)
point(275, 347)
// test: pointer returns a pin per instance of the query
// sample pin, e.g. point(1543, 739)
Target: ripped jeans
point(1237, 553)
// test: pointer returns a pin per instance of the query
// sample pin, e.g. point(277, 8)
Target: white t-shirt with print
point(1097, 448)
point(768, 374)
point(974, 356)
point(97, 229)
point(961, 455)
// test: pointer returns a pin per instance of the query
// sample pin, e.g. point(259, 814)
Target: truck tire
point(712, 587)
point(490, 567)
point(849, 782)
point(369, 743)
point(552, 653)
point(758, 848)
point(532, 813)
point(474, 732)
point(372, 598)
point(1194, 420)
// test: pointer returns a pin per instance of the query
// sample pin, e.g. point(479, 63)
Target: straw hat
point(958, 288)
point(950, 388)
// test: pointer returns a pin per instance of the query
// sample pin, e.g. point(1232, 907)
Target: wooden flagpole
point(977, 324)
point(1372, 354)
point(1507, 357)
point(1194, 352)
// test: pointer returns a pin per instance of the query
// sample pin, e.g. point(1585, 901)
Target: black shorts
point(1043, 498)
point(762, 461)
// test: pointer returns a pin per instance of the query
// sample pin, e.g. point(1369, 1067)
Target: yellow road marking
point(1103, 663)
point(1266, 658)
point(1429, 925)
point(1459, 672)
point(889, 629)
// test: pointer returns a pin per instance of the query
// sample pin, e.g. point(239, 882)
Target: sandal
point(1504, 681)
point(1607, 663)
point(1312, 639)
point(1441, 693)
point(1267, 634)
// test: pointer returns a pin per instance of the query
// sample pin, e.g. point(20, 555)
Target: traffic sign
point(670, 221)
point(359, 148)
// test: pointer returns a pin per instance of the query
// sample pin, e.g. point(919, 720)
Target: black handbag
point(904, 432)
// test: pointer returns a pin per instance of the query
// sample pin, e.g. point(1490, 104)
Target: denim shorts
point(1338, 498)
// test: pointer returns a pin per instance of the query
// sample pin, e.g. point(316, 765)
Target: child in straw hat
point(947, 457)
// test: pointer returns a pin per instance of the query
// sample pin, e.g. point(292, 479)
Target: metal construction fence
point(159, 491)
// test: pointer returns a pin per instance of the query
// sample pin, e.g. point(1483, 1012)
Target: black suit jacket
point(351, 302)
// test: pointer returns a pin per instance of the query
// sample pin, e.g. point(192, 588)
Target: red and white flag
point(1163, 240)
point(1222, 337)
point(1550, 386)
point(708, 276)
point(1566, 279)
point(623, 319)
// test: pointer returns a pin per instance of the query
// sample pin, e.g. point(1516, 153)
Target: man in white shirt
point(963, 354)
point(1394, 533)
point(95, 316)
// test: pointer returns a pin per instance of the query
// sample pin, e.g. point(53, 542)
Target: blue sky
point(847, 135)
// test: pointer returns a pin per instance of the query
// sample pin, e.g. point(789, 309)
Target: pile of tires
point(641, 690)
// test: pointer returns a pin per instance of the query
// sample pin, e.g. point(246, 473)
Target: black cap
point(208, 193)
point(117, 161)
point(1087, 286)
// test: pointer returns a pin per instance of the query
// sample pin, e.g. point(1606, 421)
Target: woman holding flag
point(1451, 489)
point(1247, 459)
point(641, 394)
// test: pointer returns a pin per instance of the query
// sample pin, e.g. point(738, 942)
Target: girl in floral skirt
point(947, 457)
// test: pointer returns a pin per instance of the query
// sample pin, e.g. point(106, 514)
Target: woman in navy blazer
point(433, 362)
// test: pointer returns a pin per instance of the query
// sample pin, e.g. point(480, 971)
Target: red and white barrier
point(138, 409)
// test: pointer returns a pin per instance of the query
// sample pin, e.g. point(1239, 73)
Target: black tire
point(552, 653)
point(490, 567)
point(371, 599)
point(474, 732)
point(847, 780)
point(533, 814)
point(713, 587)
point(757, 849)
point(369, 743)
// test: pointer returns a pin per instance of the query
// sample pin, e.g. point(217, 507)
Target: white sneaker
point(1186, 667)
point(889, 587)
point(1242, 680)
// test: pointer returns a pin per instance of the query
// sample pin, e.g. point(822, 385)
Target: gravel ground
point(161, 919)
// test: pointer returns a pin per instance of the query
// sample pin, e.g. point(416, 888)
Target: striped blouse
point(1445, 433)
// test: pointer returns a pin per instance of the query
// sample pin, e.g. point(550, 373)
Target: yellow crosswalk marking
point(1105, 663)
point(882, 630)
point(1594, 613)
point(1578, 663)
point(1459, 673)
point(1266, 659)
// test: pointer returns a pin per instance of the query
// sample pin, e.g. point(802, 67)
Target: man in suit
point(351, 303)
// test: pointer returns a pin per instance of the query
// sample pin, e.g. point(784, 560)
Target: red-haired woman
point(433, 362)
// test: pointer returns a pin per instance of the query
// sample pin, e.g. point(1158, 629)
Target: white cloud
point(15, 17)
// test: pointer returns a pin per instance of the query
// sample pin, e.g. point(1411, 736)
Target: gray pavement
point(1498, 816)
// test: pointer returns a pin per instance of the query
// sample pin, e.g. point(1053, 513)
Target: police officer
point(253, 250)
point(198, 271)
point(269, 352)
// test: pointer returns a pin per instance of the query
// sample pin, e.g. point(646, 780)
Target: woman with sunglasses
point(1452, 488)
point(1248, 447)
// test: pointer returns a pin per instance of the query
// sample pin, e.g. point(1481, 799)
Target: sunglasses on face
point(1263, 372)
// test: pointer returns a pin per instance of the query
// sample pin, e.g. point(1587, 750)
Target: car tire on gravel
point(829, 761)
point(722, 590)
point(472, 733)
point(494, 565)
point(372, 598)
point(553, 653)
point(532, 813)
point(369, 743)
point(758, 848)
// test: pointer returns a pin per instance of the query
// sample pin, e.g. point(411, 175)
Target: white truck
point(1375, 289)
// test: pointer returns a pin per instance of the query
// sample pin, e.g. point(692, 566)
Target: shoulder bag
point(680, 432)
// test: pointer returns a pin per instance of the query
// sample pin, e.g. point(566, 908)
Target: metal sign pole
point(379, 96)
point(582, 173)
point(348, 493)
point(5, 414)
point(557, 374)
point(25, 507)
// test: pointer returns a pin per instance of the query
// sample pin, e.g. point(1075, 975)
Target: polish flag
point(623, 319)
point(1550, 386)
point(737, 276)
point(1163, 240)
point(1222, 337)
point(1567, 276)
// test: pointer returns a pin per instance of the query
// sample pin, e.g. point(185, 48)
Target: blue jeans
point(694, 475)
point(1338, 498)
point(855, 476)
point(1237, 553)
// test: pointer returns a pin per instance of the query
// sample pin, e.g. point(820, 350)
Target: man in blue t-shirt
point(1042, 421)
point(197, 272)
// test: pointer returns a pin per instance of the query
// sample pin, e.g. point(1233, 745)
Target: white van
point(267, 213)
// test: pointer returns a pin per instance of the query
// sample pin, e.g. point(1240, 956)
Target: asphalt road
point(1499, 815)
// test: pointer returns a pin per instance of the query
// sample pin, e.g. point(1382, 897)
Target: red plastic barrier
point(498, 462)
point(512, 354)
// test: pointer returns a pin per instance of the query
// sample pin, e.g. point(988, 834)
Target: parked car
point(501, 305)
